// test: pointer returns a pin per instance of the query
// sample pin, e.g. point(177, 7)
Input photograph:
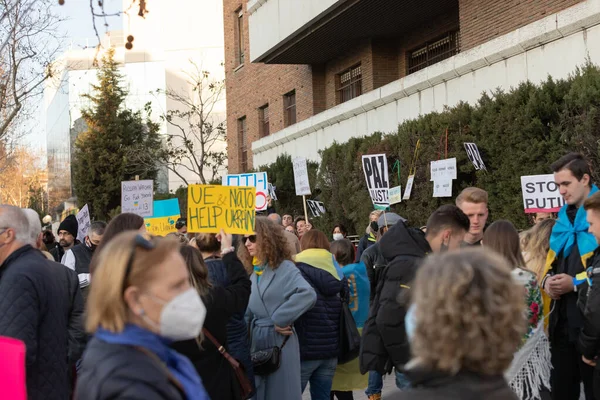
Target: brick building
point(302, 74)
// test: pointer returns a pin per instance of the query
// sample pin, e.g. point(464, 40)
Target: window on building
point(243, 143)
point(239, 21)
point(434, 52)
point(263, 120)
point(349, 84)
point(289, 108)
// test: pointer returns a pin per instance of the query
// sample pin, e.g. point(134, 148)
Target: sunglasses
point(251, 238)
point(139, 242)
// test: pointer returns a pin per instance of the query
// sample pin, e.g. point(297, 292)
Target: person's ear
point(132, 299)
point(585, 180)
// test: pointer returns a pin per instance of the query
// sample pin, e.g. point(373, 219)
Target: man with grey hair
point(292, 240)
point(35, 307)
point(35, 232)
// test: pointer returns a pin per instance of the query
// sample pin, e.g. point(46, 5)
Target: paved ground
point(389, 386)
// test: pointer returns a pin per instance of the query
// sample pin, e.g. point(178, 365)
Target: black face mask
point(91, 246)
point(374, 226)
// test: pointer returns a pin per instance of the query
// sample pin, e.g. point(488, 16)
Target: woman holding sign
point(279, 296)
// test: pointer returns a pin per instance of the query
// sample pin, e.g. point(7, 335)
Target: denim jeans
point(320, 375)
point(375, 383)
point(402, 381)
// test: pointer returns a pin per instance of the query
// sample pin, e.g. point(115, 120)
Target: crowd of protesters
point(462, 308)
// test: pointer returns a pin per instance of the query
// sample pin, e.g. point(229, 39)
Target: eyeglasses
point(251, 238)
point(143, 243)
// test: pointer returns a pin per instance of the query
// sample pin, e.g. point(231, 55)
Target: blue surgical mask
point(410, 322)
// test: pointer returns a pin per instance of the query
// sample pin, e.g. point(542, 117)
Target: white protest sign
point(83, 219)
point(474, 156)
point(409, 186)
point(301, 177)
point(541, 194)
point(137, 197)
point(317, 208)
point(375, 167)
point(257, 180)
point(272, 191)
point(442, 188)
point(443, 169)
point(396, 195)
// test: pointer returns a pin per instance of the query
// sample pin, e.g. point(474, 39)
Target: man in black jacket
point(589, 337)
point(385, 344)
point(35, 305)
point(67, 235)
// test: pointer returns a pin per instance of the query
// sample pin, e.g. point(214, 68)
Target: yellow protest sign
point(161, 226)
point(212, 208)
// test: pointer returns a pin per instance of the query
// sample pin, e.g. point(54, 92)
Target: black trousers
point(569, 371)
point(342, 395)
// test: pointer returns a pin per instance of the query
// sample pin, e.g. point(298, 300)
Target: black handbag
point(349, 335)
point(267, 361)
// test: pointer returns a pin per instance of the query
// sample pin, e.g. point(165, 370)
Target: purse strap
point(220, 348)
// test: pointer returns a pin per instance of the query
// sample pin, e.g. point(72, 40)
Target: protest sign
point(166, 214)
point(272, 191)
point(256, 180)
point(442, 188)
point(409, 186)
point(443, 169)
point(474, 156)
point(541, 194)
point(212, 208)
point(378, 182)
point(301, 177)
point(396, 195)
point(137, 197)
point(12, 369)
point(317, 208)
point(83, 219)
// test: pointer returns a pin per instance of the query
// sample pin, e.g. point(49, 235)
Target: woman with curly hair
point(529, 373)
point(280, 295)
point(464, 326)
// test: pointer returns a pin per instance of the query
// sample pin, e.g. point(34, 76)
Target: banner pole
point(305, 210)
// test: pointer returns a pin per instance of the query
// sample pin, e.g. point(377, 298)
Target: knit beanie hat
point(70, 225)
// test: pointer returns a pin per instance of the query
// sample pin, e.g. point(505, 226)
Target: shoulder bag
point(238, 368)
point(349, 339)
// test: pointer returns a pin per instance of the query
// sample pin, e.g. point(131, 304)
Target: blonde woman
point(464, 326)
point(140, 302)
point(537, 248)
point(280, 295)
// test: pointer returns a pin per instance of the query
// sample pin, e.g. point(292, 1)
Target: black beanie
point(70, 225)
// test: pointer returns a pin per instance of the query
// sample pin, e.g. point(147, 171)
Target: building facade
point(172, 43)
point(330, 70)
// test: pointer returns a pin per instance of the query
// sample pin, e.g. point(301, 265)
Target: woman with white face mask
point(140, 302)
point(339, 232)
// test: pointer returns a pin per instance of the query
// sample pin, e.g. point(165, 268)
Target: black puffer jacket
point(463, 386)
point(589, 338)
point(35, 305)
point(115, 371)
point(375, 264)
point(385, 344)
point(319, 328)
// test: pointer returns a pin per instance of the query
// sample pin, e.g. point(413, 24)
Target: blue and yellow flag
point(564, 235)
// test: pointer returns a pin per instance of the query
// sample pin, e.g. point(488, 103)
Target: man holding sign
point(571, 246)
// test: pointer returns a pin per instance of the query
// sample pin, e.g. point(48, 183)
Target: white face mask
point(338, 236)
point(182, 317)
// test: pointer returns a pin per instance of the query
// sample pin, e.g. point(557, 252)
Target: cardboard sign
point(212, 208)
point(137, 197)
point(166, 214)
point(442, 188)
point(83, 219)
point(12, 369)
point(443, 169)
point(301, 177)
point(375, 167)
point(396, 195)
point(409, 186)
point(317, 208)
point(474, 156)
point(272, 191)
point(541, 194)
point(256, 180)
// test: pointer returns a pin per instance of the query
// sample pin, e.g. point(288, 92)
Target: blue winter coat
point(279, 297)
point(319, 328)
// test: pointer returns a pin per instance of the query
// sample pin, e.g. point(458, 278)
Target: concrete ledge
point(536, 34)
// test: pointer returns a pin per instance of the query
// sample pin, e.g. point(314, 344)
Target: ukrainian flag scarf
point(563, 239)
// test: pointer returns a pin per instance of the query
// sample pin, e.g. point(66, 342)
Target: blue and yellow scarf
point(563, 239)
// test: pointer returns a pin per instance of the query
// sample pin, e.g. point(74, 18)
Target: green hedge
point(520, 132)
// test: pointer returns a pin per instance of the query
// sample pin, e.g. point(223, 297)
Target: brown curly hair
point(470, 314)
point(272, 245)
